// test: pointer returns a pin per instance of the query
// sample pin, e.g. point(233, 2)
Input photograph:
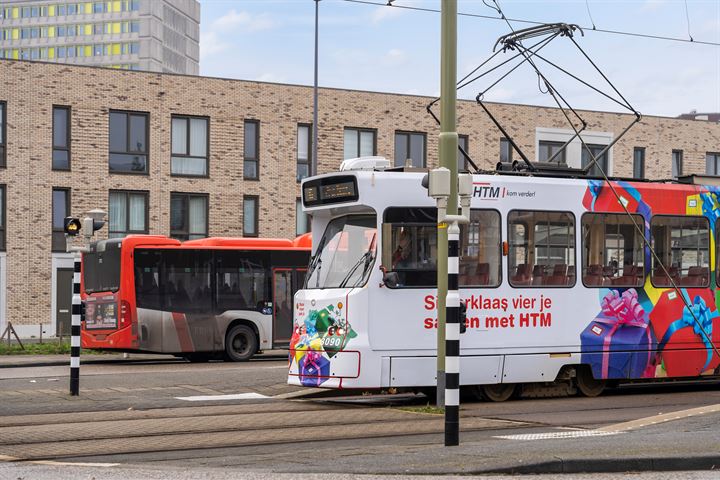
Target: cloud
point(652, 5)
point(211, 44)
point(270, 77)
point(394, 56)
point(384, 13)
point(243, 20)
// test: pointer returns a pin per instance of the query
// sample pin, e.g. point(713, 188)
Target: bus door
point(286, 281)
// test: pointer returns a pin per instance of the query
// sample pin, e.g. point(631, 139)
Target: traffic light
point(72, 226)
point(92, 225)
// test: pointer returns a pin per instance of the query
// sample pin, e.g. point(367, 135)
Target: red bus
point(198, 299)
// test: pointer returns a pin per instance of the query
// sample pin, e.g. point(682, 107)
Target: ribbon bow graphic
point(702, 327)
point(620, 310)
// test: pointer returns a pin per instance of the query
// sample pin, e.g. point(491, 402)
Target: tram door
point(286, 282)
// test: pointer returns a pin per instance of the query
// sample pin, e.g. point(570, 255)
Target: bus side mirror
point(463, 317)
point(391, 279)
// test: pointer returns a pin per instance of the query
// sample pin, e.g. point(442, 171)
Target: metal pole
point(452, 341)
point(448, 148)
point(75, 330)
point(313, 161)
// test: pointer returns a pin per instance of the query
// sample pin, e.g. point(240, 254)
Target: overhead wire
point(534, 22)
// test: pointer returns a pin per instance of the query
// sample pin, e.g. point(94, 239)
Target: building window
point(250, 215)
point(61, 138)
point(677, 163)
point(712, 163)
point(304, 152)
point(252, 140)
point(188, 216)
point(3, 136)
point(60, 210)
point(506, 150)
point(190, 143)
point(600, 162)
point(410, 146)
point(551, 152)
point(2, 217)
point(128, 213)
point(359, 142)
point(463, 142)
point(639, 162)
point(302, 219)
point(128, 142)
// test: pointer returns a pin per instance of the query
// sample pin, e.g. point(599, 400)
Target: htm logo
point(487, 191)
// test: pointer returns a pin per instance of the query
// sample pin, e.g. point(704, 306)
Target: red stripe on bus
point(183, 332)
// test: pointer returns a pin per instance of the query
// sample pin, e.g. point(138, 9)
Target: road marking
point(74, 464)
point(296, 394)
point(7, 458)
point(660, 418)
point(235, 396)
point(553, 435)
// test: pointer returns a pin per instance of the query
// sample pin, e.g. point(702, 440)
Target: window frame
point(3, 134)
point(256, 213)
point(716, 162)
point(505, 140)
point(641, 222)
point(3, 217)
point(59, 230)
point(527, 246)
point(652, 257)
point(127, 194)
point(309, 160)
point(176, 234)
point(561, 160)
point(358, 131)
point(680, 154)
point(256, 159)
point(68, 137)
point(460, 157)
point(128, 114)
point(604, 159)
point(408, 135)
point(641, 161)
point(187, 119)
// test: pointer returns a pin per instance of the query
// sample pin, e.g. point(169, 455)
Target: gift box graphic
point(600, 198)
point(619, 343)
point(687, 334)
point(314, 369)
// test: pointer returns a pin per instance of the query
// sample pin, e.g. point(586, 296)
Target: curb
point(611, 465)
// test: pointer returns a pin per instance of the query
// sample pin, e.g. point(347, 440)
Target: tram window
point(683, 245)
point(613, 252)
point(410, 245)
point(480, 249)
point(241, 280)
point(186, 281)
point(542, 249)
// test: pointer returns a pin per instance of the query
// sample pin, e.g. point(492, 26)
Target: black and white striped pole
point(452, 340)
point(75, 329)
point(438, 185)
point(72, 226)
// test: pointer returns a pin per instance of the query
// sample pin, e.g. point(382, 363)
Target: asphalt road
point(152, 415)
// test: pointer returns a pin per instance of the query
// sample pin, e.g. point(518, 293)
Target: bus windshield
point(101, 268)
point(345, 254)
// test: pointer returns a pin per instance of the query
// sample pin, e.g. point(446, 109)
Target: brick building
point(192, 156)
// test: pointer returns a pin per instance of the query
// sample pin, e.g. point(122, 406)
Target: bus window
point(186, 281)
point(242, 279)
point(480, 249)
point(683, 245)
point(410, 245)
point(542, 248)
point(147, 279)
point(613, 252)
point(102, 268)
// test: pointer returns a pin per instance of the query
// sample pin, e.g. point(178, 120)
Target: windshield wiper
point(365, 259)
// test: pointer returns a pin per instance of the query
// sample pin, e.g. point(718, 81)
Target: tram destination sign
point(329, 190)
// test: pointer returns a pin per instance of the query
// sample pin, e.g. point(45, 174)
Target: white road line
point(660, 418)
point(74, 464)
point(7, 458)
point(554, 435)
point(210, 398)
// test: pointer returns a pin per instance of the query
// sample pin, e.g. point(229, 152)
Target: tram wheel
point(587, 385)
point(241, 343)
point(498, 392)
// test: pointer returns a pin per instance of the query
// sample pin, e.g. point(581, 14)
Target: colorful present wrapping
point(686, 345)
point(600, 198)
point(618, 343)
point(314, 369)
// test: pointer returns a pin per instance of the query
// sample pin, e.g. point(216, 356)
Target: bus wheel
point(241, 343)
point(498, 392)
point(587, 385)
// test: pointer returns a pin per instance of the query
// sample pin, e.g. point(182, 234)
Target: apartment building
point(151, 35)
point(189, 156)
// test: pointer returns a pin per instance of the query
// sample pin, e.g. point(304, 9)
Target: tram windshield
point(345, 253)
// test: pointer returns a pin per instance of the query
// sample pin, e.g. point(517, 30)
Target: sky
point(389, 49)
